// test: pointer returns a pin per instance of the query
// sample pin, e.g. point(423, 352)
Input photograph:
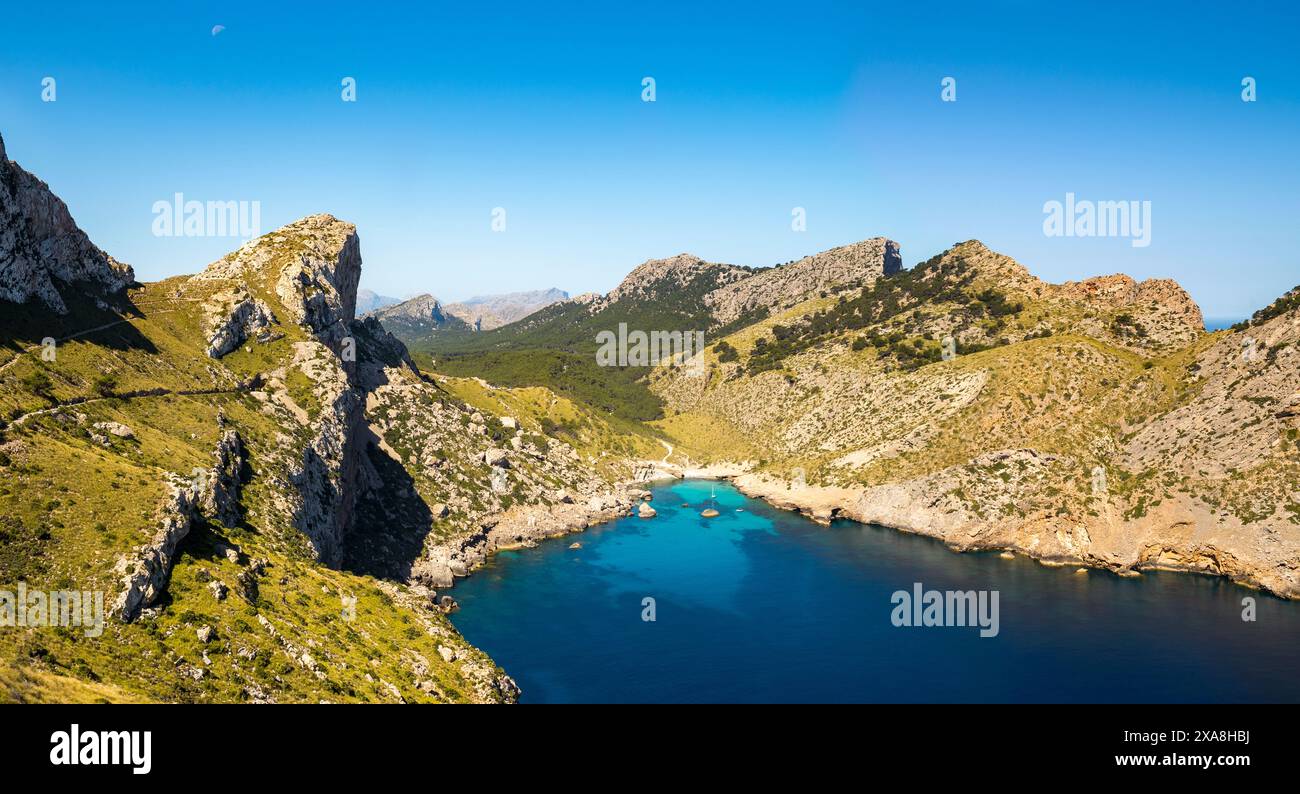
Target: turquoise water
point(764, 605)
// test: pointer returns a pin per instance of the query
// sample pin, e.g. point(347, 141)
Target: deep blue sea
point(763, 605)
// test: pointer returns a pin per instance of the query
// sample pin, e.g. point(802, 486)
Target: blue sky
point(760, 108)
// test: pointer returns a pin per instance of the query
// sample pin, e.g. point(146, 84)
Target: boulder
point(115, 428)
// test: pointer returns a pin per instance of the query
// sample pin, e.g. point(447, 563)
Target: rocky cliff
point(421, 314)
point(202, 456)
point(42, 251)
point(774, 289)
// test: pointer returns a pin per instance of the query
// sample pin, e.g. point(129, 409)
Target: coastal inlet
point(759, 604)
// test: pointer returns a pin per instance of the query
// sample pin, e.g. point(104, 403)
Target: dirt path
point(37, 348)
point(130, 396)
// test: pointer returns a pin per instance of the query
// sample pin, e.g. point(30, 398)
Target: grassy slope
point(1058, 394)
point(71, 507)
point(556, 347)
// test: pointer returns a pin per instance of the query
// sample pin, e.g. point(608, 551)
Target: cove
point(763, 605)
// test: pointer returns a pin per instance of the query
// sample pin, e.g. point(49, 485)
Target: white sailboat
point(712, 510)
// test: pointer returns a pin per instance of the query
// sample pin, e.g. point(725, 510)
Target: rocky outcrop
point(211, 494)
point(1153, 313)
point(144, 573)
point(524, 525)
point(773, 289)
point(970, 510)
point(315, 264)
point(219, 500)
point(421, 313)
point(683, 273)
point(42, 251)
point(325, 475)
point(985, 269)
point(232, 318)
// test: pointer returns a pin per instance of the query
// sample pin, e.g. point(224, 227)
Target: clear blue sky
point(536, 107)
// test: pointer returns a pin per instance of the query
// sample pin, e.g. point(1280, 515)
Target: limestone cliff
point(773, 289)
point(42, 251)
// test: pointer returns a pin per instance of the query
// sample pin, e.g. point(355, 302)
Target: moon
point(217, 29)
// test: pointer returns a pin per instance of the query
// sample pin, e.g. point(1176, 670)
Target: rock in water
point(646, 511)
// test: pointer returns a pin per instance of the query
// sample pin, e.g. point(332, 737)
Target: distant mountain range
point(425, 314)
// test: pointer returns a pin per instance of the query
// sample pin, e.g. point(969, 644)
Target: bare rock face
point(1157, 312)
point(325, 475)
point(213, 493)
point(144, 574)
point(659, 276)
point(424, 311)
point(311, 269)
point(858, 264)
point(315, 264)
point(232, 318)
point(219, 499)
point(42, 251)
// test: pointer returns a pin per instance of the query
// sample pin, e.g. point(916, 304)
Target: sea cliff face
point(1167, 538)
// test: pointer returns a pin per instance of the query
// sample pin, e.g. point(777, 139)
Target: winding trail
point(18, 356)
point(130, 396)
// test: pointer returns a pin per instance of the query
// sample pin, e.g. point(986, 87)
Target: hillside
point(265, 490)
point(1085, 423)
point(556, 346)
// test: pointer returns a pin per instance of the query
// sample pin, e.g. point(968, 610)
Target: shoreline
point(1142, 546)
point(824, 504)
point(878, 506)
